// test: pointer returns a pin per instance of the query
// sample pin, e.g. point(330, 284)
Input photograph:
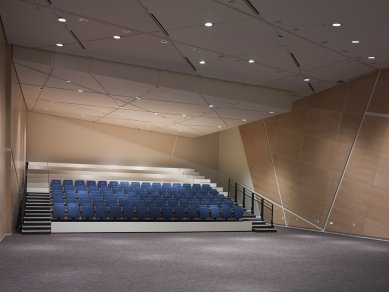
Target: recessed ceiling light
point(371, 58)
point(194, 49)
point(116, 37)
point(59, 45)
point(83, 20)
point(68, 81)
point(355, 42)
point(208, 24)
point(155, 113)
point(184, 115)
point(211, 105)
point(244, 120)
point(331, 222)
point(271, 113)
point(80, 90)
point(336, 24)
point(202, 62)
point(61, 19)
point(120, 106)
point(137, 97)
point(251, 61)
point(306, 79)
point(163, 42)
point(219, 126)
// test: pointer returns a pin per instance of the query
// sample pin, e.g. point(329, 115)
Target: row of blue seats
point(160, 203)
point(74, 211)
point(135, 196)
point(111, 184)
point(139, 191)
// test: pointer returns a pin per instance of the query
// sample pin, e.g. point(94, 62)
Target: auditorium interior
point(194, 145)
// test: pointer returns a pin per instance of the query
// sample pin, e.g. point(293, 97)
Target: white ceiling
point(303, 27)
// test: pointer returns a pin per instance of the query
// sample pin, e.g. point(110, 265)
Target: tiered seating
point(139, 201)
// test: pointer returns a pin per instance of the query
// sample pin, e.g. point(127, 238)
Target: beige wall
point(232, 159)
point(13, 114)
point(59, 139)
point(317, 165)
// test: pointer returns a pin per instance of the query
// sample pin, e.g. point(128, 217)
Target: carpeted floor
point(290, 260)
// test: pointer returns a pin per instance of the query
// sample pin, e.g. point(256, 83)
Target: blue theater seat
point(68, 182)
point(135, 185)
point(141, 212)
point(167, 212)
point(192, 212)
point(90, 183)
point(226, 212)
point(155, 212)
point(238, 212)
point(79, 183)
point(113, 184)
point(156, 185)
point(124, 184)
point(101, 212)
point(115, 212)
point(129, 212)
point(215, 211)
point(58, 200)
point(204, 212)
point(73, 210)
point(102, 183)
point(166, 185)
point(59, 211)
point(179, 212)
point(87, 211)
point(176, 186)
point(146, 185)
point(55, 182)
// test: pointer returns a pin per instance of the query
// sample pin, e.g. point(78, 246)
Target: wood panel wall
point(330, 158)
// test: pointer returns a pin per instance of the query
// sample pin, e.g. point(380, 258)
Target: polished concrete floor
point(289, 260)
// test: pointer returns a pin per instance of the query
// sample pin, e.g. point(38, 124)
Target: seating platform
point(96, 198)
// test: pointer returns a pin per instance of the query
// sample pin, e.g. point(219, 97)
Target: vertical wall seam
point(352, 149)
point(275, 172)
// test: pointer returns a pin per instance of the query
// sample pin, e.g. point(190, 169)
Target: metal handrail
point(254, 197)
point(23, 200)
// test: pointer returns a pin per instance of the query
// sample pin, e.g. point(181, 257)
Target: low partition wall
point(92, 227)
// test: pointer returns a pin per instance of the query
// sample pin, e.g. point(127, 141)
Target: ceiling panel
point(172, 107)
point(173, 95)
point(30, 76)
point(31, 29)
point(77, 78)
point(128, 14)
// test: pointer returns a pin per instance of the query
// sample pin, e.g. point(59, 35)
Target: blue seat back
point(155, 212)
point(73, 210)
point(204, 212)
point(167, 212)
point(87, 211)
point(215, 211)
point(59, 211)
point(141, 212)
point(238, 211)
point(128, 212)
point(179, 212)
point(115, 212)
point(192, 212)
point(226, 212)
point(101, 212)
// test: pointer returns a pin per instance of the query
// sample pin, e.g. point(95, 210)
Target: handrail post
point(252, 202)
point(262, 205)
point(236, 192)
point(244, 198)
point(228, 188)
point(272, 210)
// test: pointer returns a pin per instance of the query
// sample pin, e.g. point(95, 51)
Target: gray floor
point(290, 260)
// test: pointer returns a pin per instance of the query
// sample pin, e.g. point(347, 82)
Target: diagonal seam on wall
point(352, 150)
point(275, 172)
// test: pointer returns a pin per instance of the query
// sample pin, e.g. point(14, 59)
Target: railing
point(250, 200)
point(23, 199)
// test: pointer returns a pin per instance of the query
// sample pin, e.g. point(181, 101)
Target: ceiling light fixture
point(61, 19)
point(59, 45)
point(202, 62)
point(272, 113)
point(83, 20)
point(306, 79)
point(184, 115)
point(219, 126)
point(80, 90)
point(355, 42)
point(244, 120)
point(208, 24)
point(163, 42)
point(137, 97)
point(371, 58)
point(336, 24)
point(211, 105)
point(155, 113)
point(116, 37)
point(68, 81)
point(251, 61)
